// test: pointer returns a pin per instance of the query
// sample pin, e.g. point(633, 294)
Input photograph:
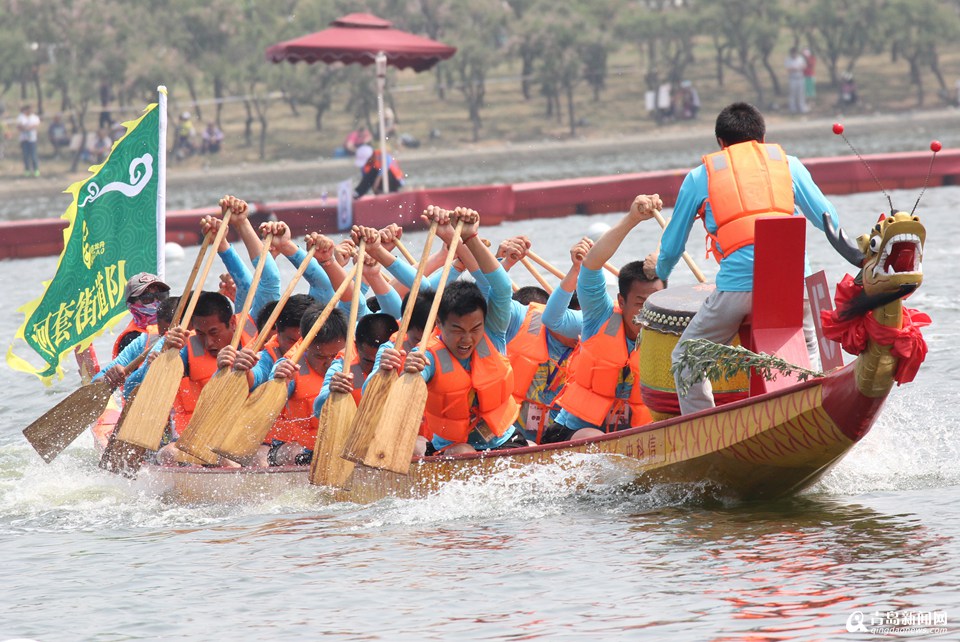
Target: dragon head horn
point(841, 243)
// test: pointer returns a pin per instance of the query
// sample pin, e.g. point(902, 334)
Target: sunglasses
point(150, 297)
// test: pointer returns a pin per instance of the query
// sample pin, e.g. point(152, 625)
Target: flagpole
point(162, 183)
point(381, 61)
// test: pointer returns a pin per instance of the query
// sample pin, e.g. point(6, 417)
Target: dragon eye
point(875, 244)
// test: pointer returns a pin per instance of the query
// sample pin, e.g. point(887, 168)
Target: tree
point(521, 43)
point(746, 33)
point(837, 30)
point(666, 37)
point(913, 28)
point(81, 61)
point(478, 50)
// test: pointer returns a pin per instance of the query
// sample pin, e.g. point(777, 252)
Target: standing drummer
point(746, 179)
point(602, 392)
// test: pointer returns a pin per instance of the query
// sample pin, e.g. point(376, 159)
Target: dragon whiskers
point(703, 359)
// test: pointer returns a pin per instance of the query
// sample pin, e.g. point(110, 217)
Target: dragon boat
point(770, 436)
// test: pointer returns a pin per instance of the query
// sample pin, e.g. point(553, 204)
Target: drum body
point(666, 315)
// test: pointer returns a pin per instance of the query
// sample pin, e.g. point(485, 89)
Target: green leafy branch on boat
point(704, 359)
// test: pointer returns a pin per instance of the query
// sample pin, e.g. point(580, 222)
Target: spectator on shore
point(29, 123)
point(848, 89)
point(809, 82)
point(183, 145)
point(689, 100)
point(795, 65)
point(356, 139)
point(58, 135)
point(106, 96)
point(665, 102)
point(101, 146)
point(212, 138)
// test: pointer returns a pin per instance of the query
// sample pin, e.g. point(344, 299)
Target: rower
point(143, 294)
point(294, 434)
point(469, 380)
point(212, 326)
point(600, 394)
point(372, 331)
point(541, 347)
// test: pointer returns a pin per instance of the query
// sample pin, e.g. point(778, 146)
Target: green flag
point(112, 234)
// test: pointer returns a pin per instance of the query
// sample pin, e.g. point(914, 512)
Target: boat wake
point(911, 447)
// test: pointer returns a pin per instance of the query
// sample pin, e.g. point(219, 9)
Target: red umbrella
point(364, 39)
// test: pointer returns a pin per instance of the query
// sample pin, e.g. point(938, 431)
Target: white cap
point(364, 152)
point(185, 115)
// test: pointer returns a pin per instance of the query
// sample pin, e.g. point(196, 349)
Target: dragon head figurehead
point(893, 254)
point(889, 257)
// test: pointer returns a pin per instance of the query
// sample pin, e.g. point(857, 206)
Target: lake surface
point(541, 553)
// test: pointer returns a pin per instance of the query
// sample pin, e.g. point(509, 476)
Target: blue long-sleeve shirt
point(736, 270)
point(559, 318)
point(126, 356)
point(406, 273)
point(269, 288)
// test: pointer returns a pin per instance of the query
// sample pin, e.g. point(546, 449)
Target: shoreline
point(695, 137)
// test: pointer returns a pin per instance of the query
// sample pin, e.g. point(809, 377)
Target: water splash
point(912, 446)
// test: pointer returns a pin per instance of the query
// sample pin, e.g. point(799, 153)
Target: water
point(548, 552)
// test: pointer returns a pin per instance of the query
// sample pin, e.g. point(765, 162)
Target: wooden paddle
point(148, 417)
point(120, 457)
point(686, 257)
point(536, 274)
point(63, 423)
point(378, 385)
point(546, 265)
point(226, 423)
point(226, 391)
point(393, 443)
point(264, 404)
point(404, 251)
point(328, 468)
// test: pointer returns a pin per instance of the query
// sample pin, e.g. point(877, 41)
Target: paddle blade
point(150, 410)
point(254, 421)
point(120, 457)
point(328, 468)
point(63, 423)
point(218, 406)
point(368, 415)
point(392, 445)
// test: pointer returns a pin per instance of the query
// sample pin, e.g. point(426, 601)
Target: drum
point(666, 314)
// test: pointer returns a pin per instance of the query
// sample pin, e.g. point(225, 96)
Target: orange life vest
point(202, 366)
point(596, 368)
point(528, 350)
point(132, 328)
point(375, 164)
point(448, 402)
point(296, 421)
point(744, 182)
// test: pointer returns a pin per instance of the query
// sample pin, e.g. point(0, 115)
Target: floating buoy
point(597, 230)
point(173, 251)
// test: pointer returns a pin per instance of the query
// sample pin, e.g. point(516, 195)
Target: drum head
point(669, 311)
